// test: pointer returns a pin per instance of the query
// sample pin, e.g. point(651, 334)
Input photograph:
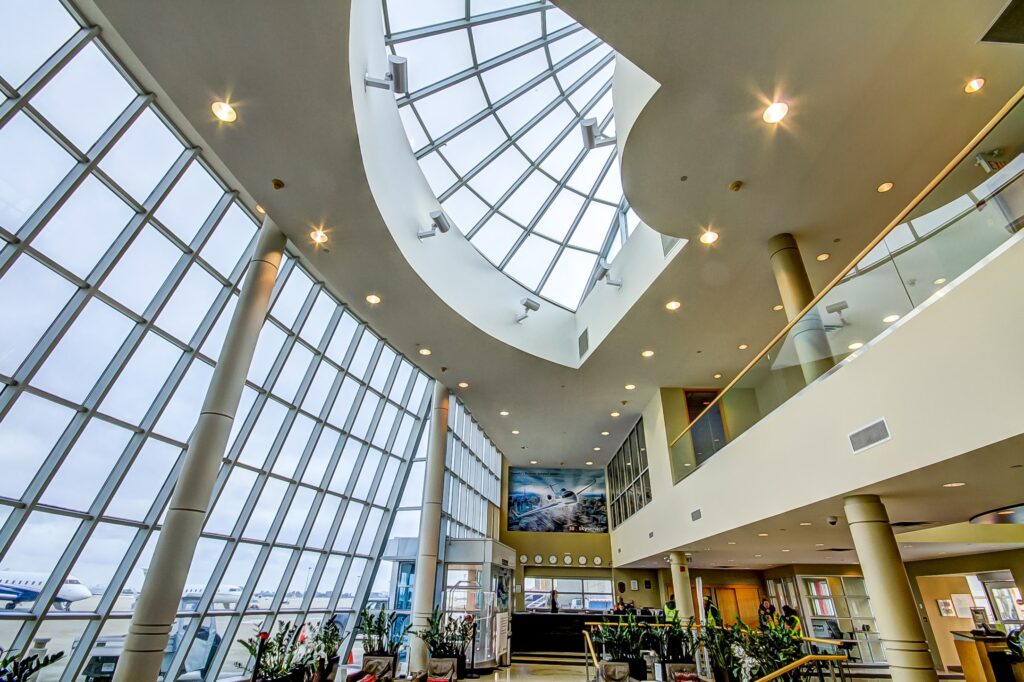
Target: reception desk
point(978, 666)
point(543, 631)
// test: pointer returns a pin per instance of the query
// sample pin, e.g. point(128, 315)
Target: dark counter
point(538, 631)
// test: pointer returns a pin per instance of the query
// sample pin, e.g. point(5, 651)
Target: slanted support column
point(681, 585)
point(809, 339)
point(161, 591)
point(892, 601)
point(430, 527)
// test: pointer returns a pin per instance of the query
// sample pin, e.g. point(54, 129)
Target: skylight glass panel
point(497, 134)
point(32, 32)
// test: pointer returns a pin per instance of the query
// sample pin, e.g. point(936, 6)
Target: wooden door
point(728, 606)
point(748, 600)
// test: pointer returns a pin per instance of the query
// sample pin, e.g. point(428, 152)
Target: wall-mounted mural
point(557, 501)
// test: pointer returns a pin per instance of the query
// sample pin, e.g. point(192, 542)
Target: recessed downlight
point(731, 542)
point(822, 257)
point(424, 351)
point(974, 85)
point(884, 187)
point(533, 461)
point(605, 433)
point(775, 112)
point(647, 353)
point(1005, 512)
point(717, 375)
point(515, 432)
point(757, 556)
point(785, 550)
point(504, 413)
point(614, 414)
point(889, 319)
point(956, 484)
point(463, 384)
point(630, 387)
point(762, 535)
point(939, 281)
point(777, 307)
point(805, 523)
point(743, 346)
point(597, 449)
point(673, 305)
point(855, 345)
point(318, 235)
point(224, 112)
point(373, 299)
point(261, 210)
point(589, 463)
point(708, 236)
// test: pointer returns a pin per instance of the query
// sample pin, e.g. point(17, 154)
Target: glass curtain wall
point(472, 476)
point(120, 258)
point(629, 483)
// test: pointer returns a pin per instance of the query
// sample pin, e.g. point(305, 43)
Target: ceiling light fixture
point(673, 305)
point(439, 222)
point(855, 345)
point(884, 187)
point(463, 384)
point(819, 544)
point(592, 137)
point(940, 281)
point(614, 414)
point(775, 112)
point(822, 257)
point(708, 236)
point(515, 432)
point(785, 550)
point(261, 210)
point(533, 461)
point(743, 346)
point(762, 535)
point(777, 307)
point(504, 413)
point(596, 449)
point(718, 376)
point(224, 112)
point(372, 299)
point(974, 85)
point(529, 305)
point(318, 236)
point(630, 387)
point(1005, 512)
point(757, 556)
point(957, 484)
point(805, 523)
point(589, 463)
point(604, 433)
point(424, 351)
point(647, 354)
point(396, 79)
point(731, 542)
point(889, 319)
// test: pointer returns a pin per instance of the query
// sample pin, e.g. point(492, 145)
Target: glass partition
point(976, 208)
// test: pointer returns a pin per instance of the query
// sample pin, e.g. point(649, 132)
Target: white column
point(430, 527)
point(681, 585)
point(892, 601)
point(165, 579)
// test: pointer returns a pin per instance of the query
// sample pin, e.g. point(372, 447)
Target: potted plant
point(770, 648)
point(322, 645)
point(719, 642)
point(1015, 652)
point(283, 659)
point(15, 669)
point(676, 644)
point(447, 638)
point(383, 636)
point(622, 644)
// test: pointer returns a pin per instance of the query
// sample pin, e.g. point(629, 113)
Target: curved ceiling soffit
point(448, 263)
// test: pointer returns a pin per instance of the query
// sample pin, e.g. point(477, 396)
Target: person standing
point(671, 612)
point(554, 601)
point(765, 612)
point(791, 620)
point(712, 616)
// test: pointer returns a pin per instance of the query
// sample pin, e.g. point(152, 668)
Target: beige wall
point(931, 589)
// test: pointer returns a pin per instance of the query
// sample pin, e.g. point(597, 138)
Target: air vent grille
point(869, 436)
point(695, 515)
point(584, 342)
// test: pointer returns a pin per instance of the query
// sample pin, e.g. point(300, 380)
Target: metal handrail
point(799, 663)
point(914, 203)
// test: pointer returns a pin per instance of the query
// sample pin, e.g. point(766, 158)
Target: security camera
point(529, 305)
point(592, 138)
point(603, 270)
point(832, 520)
point(439, 222)
point(397, 77)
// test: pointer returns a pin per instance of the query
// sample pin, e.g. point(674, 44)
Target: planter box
point(621, 671)
point(671, 670)
point(452, 668)
point(381, 667)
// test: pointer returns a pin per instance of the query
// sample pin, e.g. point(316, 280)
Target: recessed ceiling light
point(1005, 512)
point(630, 387)
point(597, 449)
point(785, 550)
point(884, 187)
point(762, 535)
point(629, 464)
point(533, 461)
point(743, 346)
point(940, 280)
point(805, 523)
point(615, 414)
point(822, 257)
point(685, 464)
point(732, 543)
point(673, 305)
point(647, 354)
point(604, 433)
point(974, 85)
point(372, 299)
point(515, 432)
point(889, 319)
point(775, 112)
point(954, 485)
point(717, 376)
point(777, 307)
point(463, 384)
point(224, 111)
point(819, 544)
point(757, 556)
point(504, 413)
point(855, 345)
point(708, 236)
point(260, 209)
point(589, 463)
point(425, 351)
point(318, 236)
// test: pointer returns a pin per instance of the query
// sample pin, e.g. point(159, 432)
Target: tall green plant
point(675, 641)
point(771, 647)
point(15, 669)
point(282, 652)
point(720, 644)
point(625, 639)
point(1014, 646)
point(447, 636)
point(382, 634)
point(322, 643)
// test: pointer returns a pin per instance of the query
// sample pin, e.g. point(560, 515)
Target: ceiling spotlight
point(855, 345)
point(884, 187)
point(463, 384)
point(592, 137)
point(1005, 512)
point(589, 463)
point(596, 449)
point(819, 544)
point(504, 413)
point(605, 433)
point(731, 542)
point(822, 257)
point(630, 387)
point(397, 77)
point(439, 222)
point(318, 236)
point(529, 304)
point(785, 550)
point(261, 210)
point(717, 375)
point(805, 523)
point(953, 485)
point(889, 319)
point(515, 432)
point(533, 461)
point(777, 307)
point(762, 535)
point(708, 236)
point(743, 346)
point(224, 112)
point(939, 281)
point(673, 305)
point(424, 351)
point(974, 85)
point(775, 112)
point(757, 556)
point(647, 354)
point(603, 268)
point(614, 414)
point(372, 299)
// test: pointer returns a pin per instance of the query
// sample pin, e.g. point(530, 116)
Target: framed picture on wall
point(634, 585)
point(962, 604)
point(945, 608)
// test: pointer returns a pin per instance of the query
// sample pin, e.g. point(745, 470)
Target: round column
point(681, 585)
point(892, 601)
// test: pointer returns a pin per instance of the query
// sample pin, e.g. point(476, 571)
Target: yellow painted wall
point(941, 587)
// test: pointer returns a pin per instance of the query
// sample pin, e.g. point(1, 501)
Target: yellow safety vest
point(671, 614)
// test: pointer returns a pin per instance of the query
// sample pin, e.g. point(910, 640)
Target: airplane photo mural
point(557, 501)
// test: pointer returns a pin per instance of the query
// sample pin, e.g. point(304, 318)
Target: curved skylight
point(497, 89)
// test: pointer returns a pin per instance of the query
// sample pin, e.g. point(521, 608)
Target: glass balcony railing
point(973, 207)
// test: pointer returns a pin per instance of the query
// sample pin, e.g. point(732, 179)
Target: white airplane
point(561, 498)
point(23, 586)
point(226, 596)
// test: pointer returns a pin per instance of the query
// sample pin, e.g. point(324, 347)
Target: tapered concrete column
point(165, 579)
point(892, 601)
point(430, 527)
point(681, 585)
point(809, 339)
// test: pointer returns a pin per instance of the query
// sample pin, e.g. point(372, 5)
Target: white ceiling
point(285, 66)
